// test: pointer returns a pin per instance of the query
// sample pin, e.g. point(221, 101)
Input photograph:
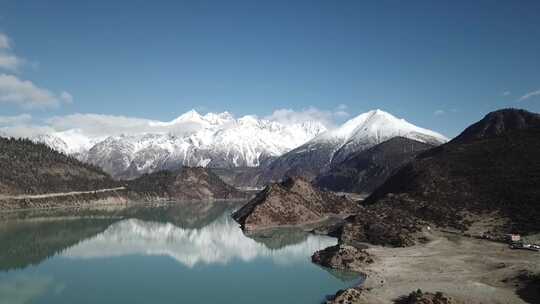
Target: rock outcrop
point(183, 184)
point(346, 296)
point(292, 202)
point(344, 257)
point(382, 226)
point(355, 295)
point(419, 297)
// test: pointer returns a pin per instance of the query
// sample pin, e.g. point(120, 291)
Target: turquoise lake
point(174, 253)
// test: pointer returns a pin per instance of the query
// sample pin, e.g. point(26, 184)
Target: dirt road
point(60, 194)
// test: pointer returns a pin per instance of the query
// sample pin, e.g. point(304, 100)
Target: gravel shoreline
point(467, 269)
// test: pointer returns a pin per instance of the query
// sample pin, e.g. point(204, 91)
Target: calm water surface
point(179, 253)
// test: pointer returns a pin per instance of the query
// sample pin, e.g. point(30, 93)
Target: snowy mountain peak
point(52, 141)
point(375, 127)
point(218, 118)
point(190, 115)
point(68, 142)
point(248, 120)
point(378, 124)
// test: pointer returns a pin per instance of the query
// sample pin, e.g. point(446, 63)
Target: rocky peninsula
point(293, 202)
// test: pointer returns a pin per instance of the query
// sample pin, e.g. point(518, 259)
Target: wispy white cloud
point(22, 125)
point(439, 112)
point(326, 117)
point(91, 125)
point(8, 60)
point(529, 95)
point(25, 130)
point(4, 41)
point(15, 120)
point(341, 111)
point(87, 125)
point(26, 94)
point(97, 125)
point(506, 93)
point(66, 97)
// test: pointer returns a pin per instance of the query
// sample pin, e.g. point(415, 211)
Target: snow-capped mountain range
point(222, 141)
point(211, 140)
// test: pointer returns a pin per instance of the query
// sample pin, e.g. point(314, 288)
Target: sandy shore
point(468, 269)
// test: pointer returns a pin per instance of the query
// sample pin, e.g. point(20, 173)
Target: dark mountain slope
point(241, 177)
point(364, 171)
point(30, 168)
point(491, 174)
point(183, 184)
point(306, 161)
point(498, 122)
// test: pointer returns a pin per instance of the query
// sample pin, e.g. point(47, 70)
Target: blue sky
point(438, 64)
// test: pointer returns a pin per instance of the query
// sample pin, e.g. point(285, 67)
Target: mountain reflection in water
point(174, 253)
point(189, 232)
point(219, 242)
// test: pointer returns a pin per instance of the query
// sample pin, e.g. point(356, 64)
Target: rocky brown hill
point(344, 257)
point(292, 202)
point(490, 171)
point(183, 184)
point(498, 122)
point(30, 168)
point(364, 171)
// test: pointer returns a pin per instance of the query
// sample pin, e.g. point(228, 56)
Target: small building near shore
point(513, 237)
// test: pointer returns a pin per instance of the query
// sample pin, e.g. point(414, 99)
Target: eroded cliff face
point(293, 202)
